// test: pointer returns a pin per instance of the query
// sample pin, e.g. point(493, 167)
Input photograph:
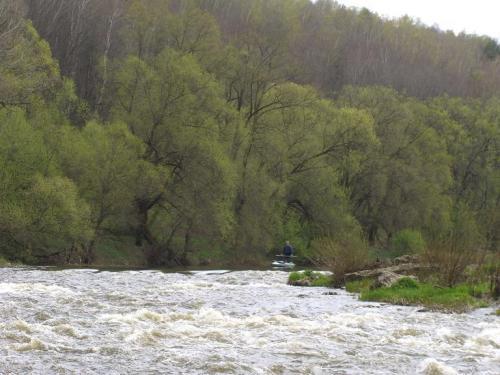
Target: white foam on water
point(145, 337)
point(53, 290)
point(431, 366)
point(22, 326)
point(486, 342)
point(133, 317)
point(489, 337)
point(34, 344)
point(246, 322)
point(405, 331)
point(66, 330)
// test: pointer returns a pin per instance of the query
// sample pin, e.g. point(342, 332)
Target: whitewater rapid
point(245, 322)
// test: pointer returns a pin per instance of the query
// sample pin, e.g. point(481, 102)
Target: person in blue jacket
point(287, 251)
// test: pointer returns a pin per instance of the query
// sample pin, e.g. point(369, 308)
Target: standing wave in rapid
point(245, 322)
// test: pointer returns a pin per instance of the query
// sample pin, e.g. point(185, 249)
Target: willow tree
point(294, 155)
point(105, 162)
point(402, 183)
point(41, 212)
point(472, 139)
point(178, 111)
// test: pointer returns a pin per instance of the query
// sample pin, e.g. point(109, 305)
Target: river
point(82, 321)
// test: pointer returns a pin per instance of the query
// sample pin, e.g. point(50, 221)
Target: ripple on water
point(28, 288)
point(33, 344)
point(76, 321)
point(430, 366)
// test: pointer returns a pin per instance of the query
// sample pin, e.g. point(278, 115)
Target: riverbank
point(123, 253)
point(406, 291)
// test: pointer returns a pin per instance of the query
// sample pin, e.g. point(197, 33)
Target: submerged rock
point(330, 293)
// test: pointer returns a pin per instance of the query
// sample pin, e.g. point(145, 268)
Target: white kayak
point(282, 264)
point(209, 272)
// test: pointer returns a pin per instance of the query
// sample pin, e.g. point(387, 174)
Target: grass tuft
point(457, 299)
point(314, 278)
point(359, 285)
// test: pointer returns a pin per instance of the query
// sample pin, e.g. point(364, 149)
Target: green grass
point(457, 299)
point(358, 286)
point(316, 278)
point(295, 276)
point(4, 262)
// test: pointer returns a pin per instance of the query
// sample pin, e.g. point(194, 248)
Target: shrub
point(407, 241)
point(341, 256)
point(295, 276)
point(321, 280)
point(405, 282)
point(358, 286)
point(314, 278)
point(491, 272)
point(460, 247)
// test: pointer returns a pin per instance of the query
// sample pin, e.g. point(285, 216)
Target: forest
point(191, 132)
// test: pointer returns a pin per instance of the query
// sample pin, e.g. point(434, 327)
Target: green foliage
point(40, 211)
point(358, 286)
point(461, 245)
point(405, 283)
point(341, 255)
point(407, 241)
point(207, 134)
point(120, 252)
point(27, 69)
point(297, 232)
point(491, 48)
point(295, 276)
point(401, 181)
point(313, 278)
point(4, 262)
point(105, 162)
point(57, 216)
point(322, 280)
point(457, 299)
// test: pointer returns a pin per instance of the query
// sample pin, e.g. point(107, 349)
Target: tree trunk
point(89, 253)
point(187, 245)
point(142, 231)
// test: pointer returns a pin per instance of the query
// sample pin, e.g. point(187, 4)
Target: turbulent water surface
point(245, 322)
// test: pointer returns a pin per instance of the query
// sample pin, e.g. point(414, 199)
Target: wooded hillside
point(209, 130)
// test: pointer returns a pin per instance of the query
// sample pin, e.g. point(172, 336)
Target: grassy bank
point(460, 298)
point(309, 278)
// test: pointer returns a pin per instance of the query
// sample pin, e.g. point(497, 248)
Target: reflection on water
point(244, 322)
